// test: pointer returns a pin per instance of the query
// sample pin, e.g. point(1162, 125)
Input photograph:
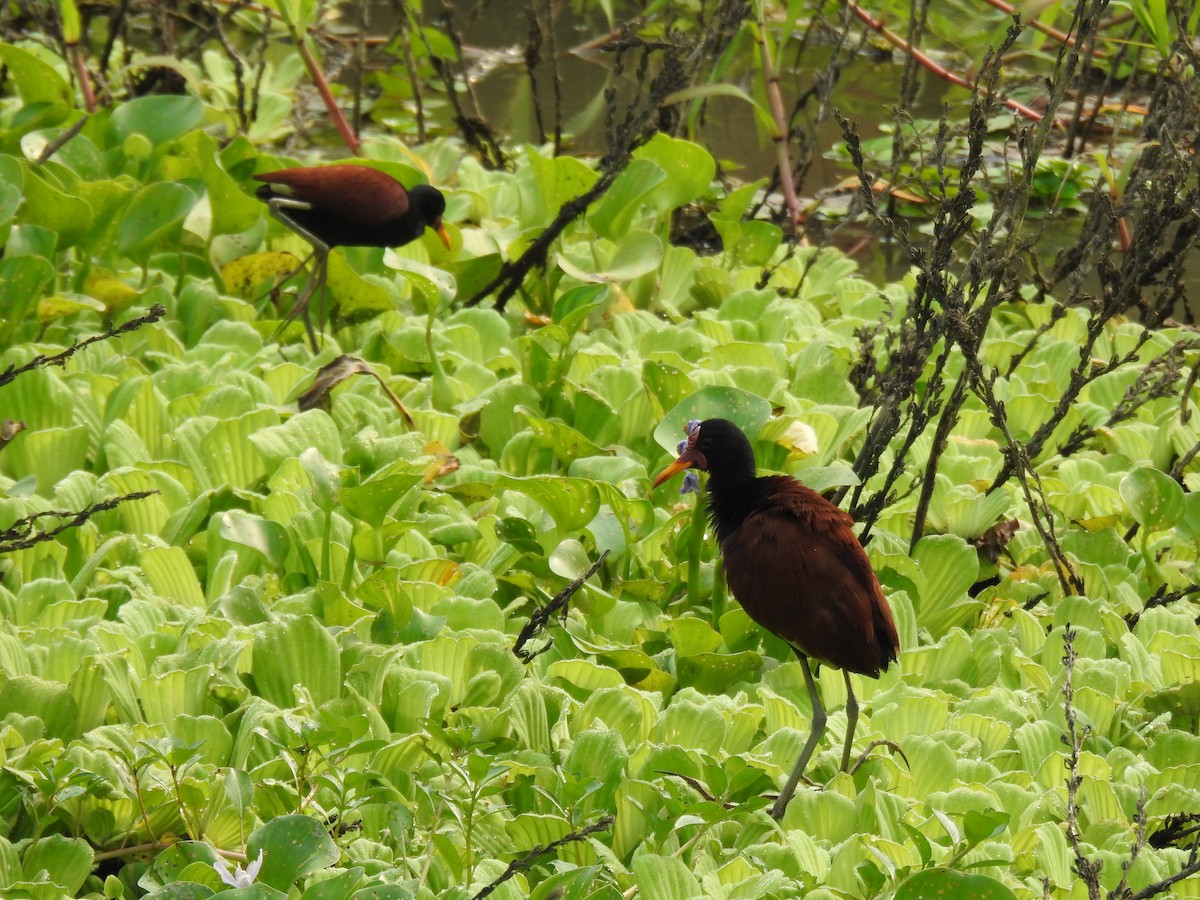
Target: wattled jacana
point(792, 560)
point(348, 206)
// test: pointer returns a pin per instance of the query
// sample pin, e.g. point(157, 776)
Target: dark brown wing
point(798, 570)
point(357, 193)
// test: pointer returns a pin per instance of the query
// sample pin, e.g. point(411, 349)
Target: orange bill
point(442, 233)
point(686, 460)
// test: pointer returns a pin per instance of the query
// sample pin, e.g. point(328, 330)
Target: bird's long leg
point(315, 282)
point(279, 208)
point(818, 728)
point(851, 721)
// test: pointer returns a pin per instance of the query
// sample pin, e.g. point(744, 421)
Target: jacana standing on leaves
point(348, 206)
point(792, 560)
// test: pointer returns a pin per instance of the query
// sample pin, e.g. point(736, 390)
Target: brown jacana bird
point(348, 206)
point(794, 563)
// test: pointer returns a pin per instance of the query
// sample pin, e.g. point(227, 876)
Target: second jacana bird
point(348, 206)
point(794, 563)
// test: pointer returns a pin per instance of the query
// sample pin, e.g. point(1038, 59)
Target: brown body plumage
point(348, 206)
point(353, 206)
point(794, 563)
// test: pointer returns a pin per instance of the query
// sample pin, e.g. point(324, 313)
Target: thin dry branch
point(157, 311)
point(21, 536)
point(524, 862)
point(538, 621)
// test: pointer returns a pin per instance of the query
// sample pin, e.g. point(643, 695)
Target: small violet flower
point(691, 478)
point(239, 877)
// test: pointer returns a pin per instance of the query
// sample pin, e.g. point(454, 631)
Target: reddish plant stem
point(1048, 30)
point(936, 68)
point(322, 85)
point(780, 137)
point(85, 80)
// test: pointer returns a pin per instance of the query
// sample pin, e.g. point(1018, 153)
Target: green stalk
point(695, 546)
point(718, 593)
point(325, 555)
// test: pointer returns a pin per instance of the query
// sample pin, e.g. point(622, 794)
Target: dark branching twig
point(478, 133)
point(157, 311)
point(908, 392)
point(524, 862)
point(538, 621)
point(1162, 597)
point(1088, 868)
point(533, 58)
point(235, 60)
point(1159, 378)
point(404, 24)
point(1175, 828)
point(55, 145)
point(21, 536)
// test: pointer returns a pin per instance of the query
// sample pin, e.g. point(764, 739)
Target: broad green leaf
point(638, 253)
point(354, 298)
point(585, 675)
point(233, 210)
point(529, 830)
point(67, 861)
point(339, 887)
point(268, 538)
point(22, 279)
point(621, 203)
point(311, 428)
point(171, 574)
point(158, 118)
point(691, 166)
point(571, 502)
point(573, 306)
point(10, 200)
point(572, 884)
point(558, 180)
point(1153, 498)
point(298, 651)
point(224, 456)
point(664, 878)
point(48, 454)
point(49, 701)
point(748, 411)
point(711, 672)
point(176, 693)
point(292, 847)
point(938, 883)
point(371, 500)
point(36, 81)
point(251, 276)
point(949, 566)
point(567, 443)
point(154, 216)
point(50, 207)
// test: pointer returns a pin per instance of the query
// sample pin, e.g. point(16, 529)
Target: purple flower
point(691, 482)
